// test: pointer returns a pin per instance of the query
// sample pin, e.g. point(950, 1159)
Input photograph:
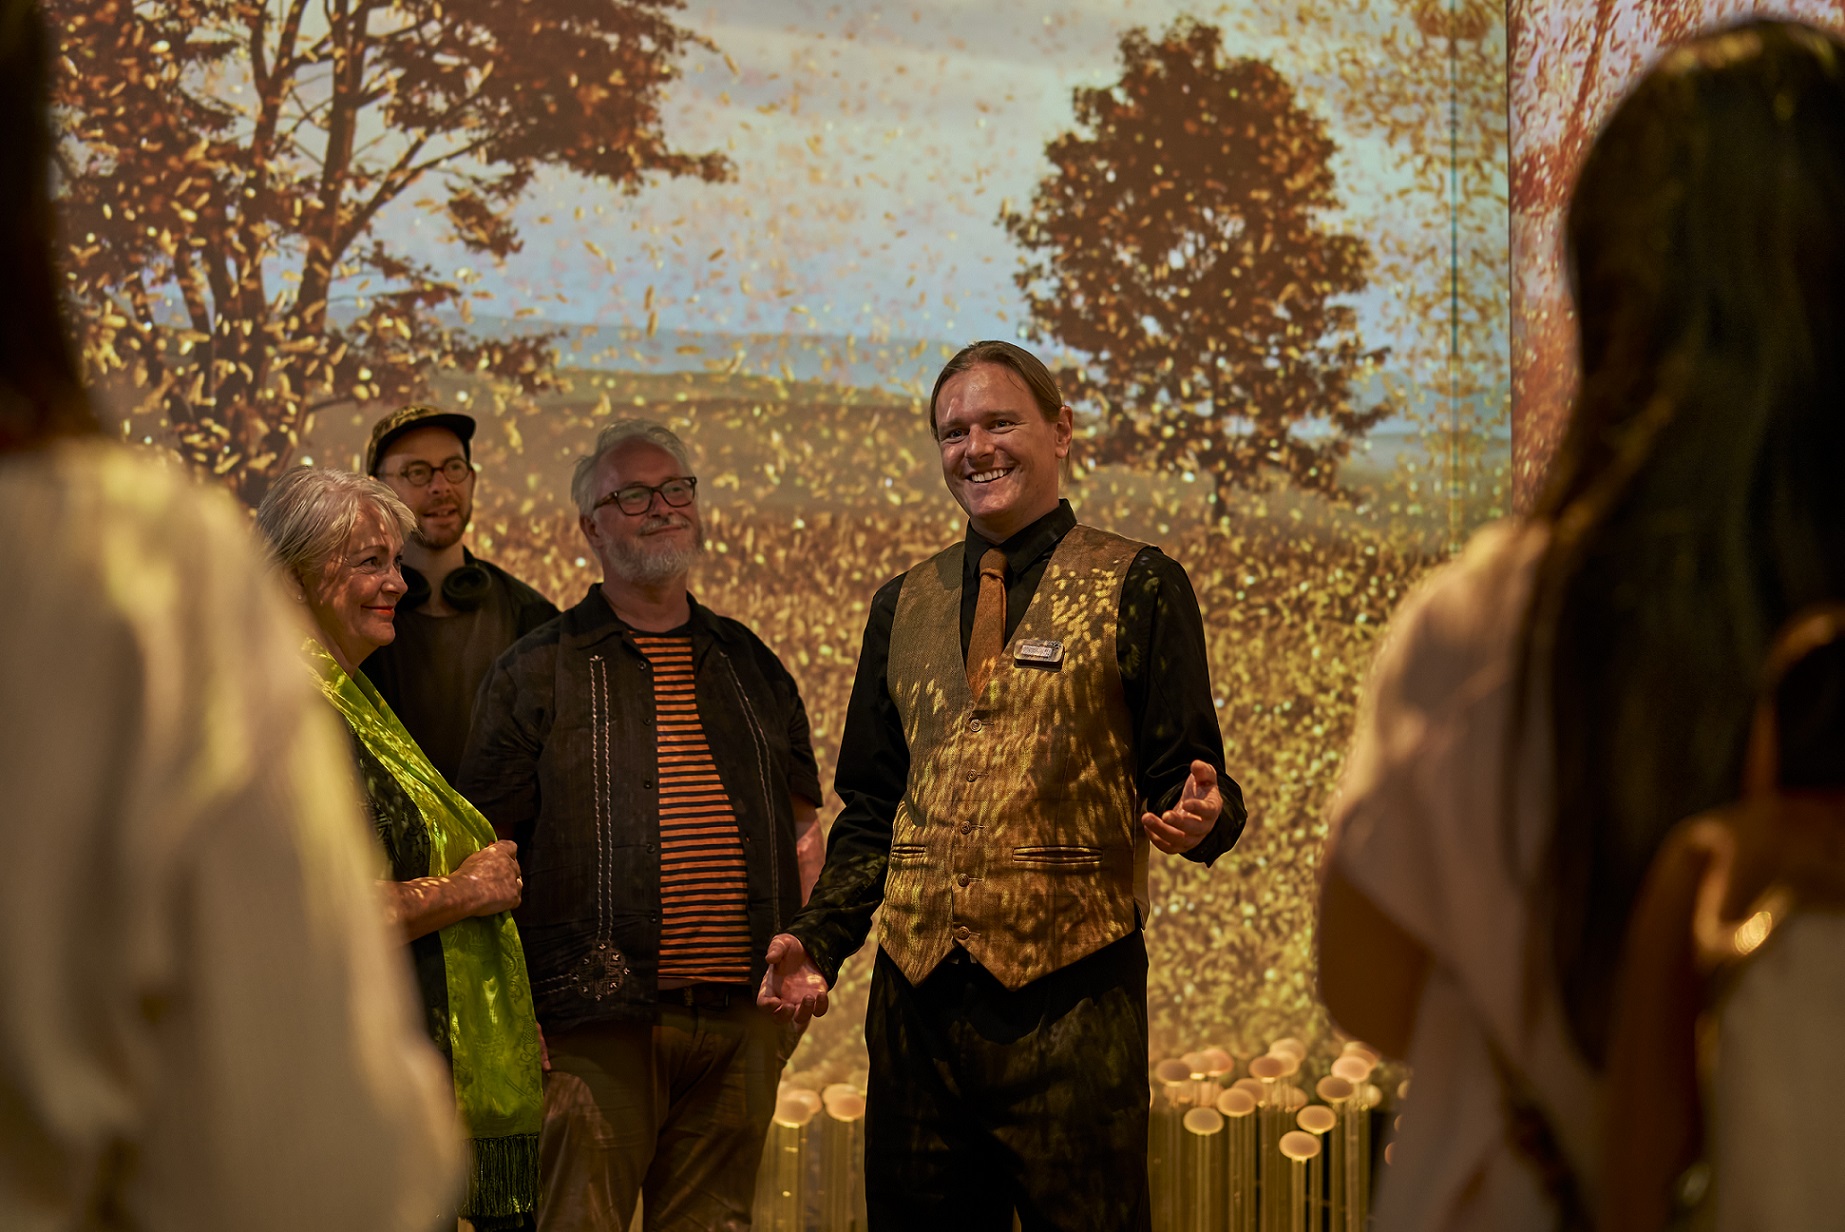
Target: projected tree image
point(1179, 244)
point(805, 304)
point(226, 163)
point(1599, 51)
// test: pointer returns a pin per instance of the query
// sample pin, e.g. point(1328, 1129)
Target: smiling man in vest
point(1032, 709)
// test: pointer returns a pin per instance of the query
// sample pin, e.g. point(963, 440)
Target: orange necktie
point(989, 634)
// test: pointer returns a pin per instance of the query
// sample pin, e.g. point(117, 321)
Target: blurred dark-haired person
point(335, 539)
point(1731, 998)
point(1033, 707)
point(652, 760)
point(458, 613)
point(1549, 706)
point(203, 1023)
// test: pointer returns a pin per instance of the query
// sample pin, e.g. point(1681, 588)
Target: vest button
point(974, 725)
point(963, 932)
point(962, 880)
point(972, 777)
point(967, 827)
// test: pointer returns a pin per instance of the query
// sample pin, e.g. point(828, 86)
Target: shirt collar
point(1024, 548)
point(599, 619)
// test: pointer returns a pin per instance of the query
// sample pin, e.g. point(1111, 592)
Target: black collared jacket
point(562, 759)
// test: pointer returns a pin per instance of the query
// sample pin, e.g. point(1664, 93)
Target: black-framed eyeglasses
point(637, 498)
point(419, 474)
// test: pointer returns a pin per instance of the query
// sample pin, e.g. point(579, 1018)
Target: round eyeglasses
point(419, 474)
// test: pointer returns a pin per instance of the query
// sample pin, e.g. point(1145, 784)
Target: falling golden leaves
point(817, 488)
point(200, 182)
point(814, 495)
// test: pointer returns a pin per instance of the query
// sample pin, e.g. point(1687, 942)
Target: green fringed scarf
point(493, 1035)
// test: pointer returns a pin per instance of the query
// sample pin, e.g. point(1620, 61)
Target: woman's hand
point(487, 883)
point(491, 876)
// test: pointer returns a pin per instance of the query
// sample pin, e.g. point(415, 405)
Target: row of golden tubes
point(1257, 1153)
point(815, 1151)
point(1225, 1154)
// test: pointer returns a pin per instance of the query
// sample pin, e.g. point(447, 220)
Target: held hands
point(792, 988)
point(492, 876)
point(1183, 827)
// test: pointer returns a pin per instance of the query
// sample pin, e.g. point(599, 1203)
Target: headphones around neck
point(464, 590)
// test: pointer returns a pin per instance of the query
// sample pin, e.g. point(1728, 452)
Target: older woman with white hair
point(335, 538)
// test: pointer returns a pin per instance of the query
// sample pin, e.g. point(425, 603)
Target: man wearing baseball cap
point(460, 612)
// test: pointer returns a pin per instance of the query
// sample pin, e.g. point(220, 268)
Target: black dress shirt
point(1165, 675)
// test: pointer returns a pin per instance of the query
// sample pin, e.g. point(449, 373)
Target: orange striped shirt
point(704, 904)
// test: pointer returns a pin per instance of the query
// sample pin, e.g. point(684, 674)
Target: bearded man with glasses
point(460, 612)
point(651, 759)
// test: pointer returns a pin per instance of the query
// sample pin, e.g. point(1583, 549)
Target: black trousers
point(985, 1102)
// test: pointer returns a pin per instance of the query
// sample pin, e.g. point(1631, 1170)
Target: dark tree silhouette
point(232, 158)
point(1178, 244)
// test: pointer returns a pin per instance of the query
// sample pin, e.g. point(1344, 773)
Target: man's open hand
point(1184, 825)
point(792, 988)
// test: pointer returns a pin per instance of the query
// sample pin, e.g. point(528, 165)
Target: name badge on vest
point(1038, 652)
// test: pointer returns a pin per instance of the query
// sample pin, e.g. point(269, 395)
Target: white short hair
point(309, 513)
point(613, 437)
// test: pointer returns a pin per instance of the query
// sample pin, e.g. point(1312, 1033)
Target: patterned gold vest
point(1019, 834)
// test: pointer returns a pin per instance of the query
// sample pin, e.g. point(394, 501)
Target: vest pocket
point(908, 853)
point(1058, 857)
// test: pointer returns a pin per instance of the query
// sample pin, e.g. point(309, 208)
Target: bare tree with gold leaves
point(1179, 244)
point(226, 163)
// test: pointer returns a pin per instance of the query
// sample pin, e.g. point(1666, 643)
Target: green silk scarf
point(493, 1035)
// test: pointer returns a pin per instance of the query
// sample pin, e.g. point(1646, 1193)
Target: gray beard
point(641, 565)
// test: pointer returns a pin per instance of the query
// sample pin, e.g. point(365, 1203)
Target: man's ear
point(1065, 429)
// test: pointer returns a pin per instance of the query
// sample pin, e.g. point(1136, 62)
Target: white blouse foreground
point(204, 1024)
point(1419, 829)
